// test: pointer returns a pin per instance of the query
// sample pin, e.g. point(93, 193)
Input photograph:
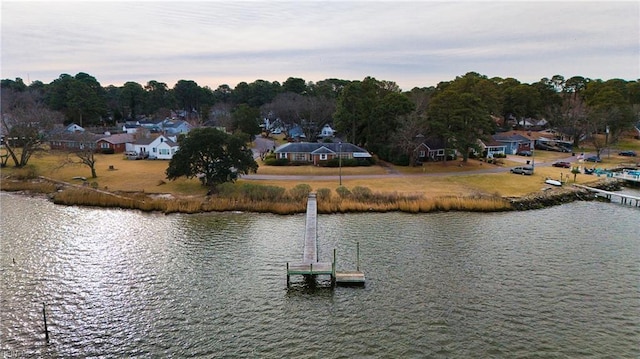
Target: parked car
point(562, 164)
point(628, 153)
point(524, 153)
point(523, 170)
point(593, 159)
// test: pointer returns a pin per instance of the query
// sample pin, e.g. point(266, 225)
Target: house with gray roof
point(176, 127)
point(116, 143)
point(318, 153)
point(514, 142)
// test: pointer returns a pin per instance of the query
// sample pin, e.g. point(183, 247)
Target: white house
point(326, 131)
point(161, 147)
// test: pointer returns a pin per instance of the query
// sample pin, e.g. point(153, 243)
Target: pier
point(624, 198)
point(310, 267)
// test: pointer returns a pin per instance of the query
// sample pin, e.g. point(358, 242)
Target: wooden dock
point(624, 198)
point(310, 267)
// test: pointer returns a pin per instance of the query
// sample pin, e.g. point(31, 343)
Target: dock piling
point(44, 316)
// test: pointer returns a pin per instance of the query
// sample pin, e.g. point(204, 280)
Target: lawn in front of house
point(116, 173)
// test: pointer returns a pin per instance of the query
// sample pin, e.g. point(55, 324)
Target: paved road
point(397, 174)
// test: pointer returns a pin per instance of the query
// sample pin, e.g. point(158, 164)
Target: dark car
point(628, 153)
point(524, 153)
point(593, 159)
point(562, 164)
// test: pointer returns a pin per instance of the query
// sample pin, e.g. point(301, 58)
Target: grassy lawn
point(115, 173)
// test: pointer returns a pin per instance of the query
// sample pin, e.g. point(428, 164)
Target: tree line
point(375, 114)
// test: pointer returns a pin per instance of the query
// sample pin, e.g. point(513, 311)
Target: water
point(559, 282)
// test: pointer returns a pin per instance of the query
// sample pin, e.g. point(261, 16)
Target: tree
point(295, 85)
point(461, 118)
point(367, 113)
point(246, 120)
point(213, 156)
point(610, 111)
point(521, 101)
point(187, 94)
point(158, 99)
point(80, 98)
point(25, 120)
point(85, 154)
point(133, 95)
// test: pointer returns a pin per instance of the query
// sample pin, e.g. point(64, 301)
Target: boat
point(553, 182)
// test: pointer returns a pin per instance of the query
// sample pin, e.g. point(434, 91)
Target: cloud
point(413, 43)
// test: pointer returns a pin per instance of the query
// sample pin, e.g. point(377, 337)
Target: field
point(453, 178)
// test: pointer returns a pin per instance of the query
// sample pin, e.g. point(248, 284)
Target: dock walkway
point(310, 267)
point(624, 198)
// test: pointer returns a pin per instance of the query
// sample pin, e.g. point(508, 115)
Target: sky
point(413, 43)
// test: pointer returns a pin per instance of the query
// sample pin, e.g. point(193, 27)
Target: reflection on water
point(549, 283)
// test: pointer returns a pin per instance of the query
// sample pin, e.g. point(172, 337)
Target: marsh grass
point(264, 199)
point(28, 186)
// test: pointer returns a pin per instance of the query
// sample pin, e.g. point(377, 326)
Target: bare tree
point(26, 122)
point(85, 154)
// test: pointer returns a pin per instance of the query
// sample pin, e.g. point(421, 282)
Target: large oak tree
point(213, 156)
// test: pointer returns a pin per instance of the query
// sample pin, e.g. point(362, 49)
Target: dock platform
point(310, 267)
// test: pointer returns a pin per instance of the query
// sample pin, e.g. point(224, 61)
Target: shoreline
point(70, 194)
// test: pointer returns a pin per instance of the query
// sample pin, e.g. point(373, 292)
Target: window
point(164, 151)
point(422, 154)
point(282, 155)
point(104, 145)
point(323, 156)
point(299, 157)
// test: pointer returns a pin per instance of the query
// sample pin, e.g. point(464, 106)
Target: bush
point(107, 151)
point(300, 191)
point(25, 173)
point(346, 162)
point(362, 193)
point(343, 192)
point(250, 191)
point(273, 161)
point(324, 194)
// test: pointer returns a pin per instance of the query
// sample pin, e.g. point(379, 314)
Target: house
point(114, 143)
point(161, 147)
point(130, 128)
point(154, 126)
point(326, 131)
point(319, 153)
point(72, 138)
point(491, 147)
point(514, 141)
point(430, 149)
point(175, 127)
point(296, 133)
point(73, 128)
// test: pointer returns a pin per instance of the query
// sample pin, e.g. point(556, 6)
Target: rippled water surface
point(558, 282)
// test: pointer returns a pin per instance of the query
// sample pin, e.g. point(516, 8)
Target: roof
point(432, 143)
point(509, 137)
point(316, 147)
point(118, 138)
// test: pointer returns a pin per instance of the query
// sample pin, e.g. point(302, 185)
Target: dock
point(311, 267)
point(624, 198)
